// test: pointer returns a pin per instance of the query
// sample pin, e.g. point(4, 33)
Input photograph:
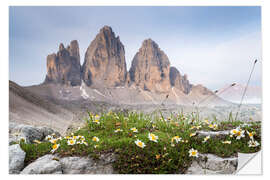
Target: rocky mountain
point(64, 66)
point(178, 81)
point(150, 68)
point(105, 63)
point(104, 76)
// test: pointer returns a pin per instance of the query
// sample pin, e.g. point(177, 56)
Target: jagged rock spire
point(104, 62)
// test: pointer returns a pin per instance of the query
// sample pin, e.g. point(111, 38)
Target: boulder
point(16, 159)
point(86, 165)
point(29, 133)
point(44, 165)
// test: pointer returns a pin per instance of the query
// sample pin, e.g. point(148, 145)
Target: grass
point(161, 157)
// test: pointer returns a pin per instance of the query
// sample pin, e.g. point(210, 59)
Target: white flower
point(95, 139)
point(192, 134)
point(240, 134)
point(139, 143)
point(53, 141)
point(206, 139)
point(206, 121)
point(134, 129)
point(152, 137)
point(253, 143)
point(193, 153)
point(234, 131)
point(96, 121)
point(250, 134)
point(226, 142)
point(213, 126)
point(177, 139)
point(48, 138)
point(55, 147)
point(118, 130)
point(71, 142)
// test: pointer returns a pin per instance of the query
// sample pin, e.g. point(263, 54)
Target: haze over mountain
point(234, 94)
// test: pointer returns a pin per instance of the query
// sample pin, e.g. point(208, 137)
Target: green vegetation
point(112, 132)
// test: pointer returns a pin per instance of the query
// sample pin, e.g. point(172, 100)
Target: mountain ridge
point(150, 79)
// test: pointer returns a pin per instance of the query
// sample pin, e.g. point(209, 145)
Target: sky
point(214, 46)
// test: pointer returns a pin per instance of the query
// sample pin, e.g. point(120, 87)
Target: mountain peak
point(64, 66)
point(150, 68)
point(105, 60)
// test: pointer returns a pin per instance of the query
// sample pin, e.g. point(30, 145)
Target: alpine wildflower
point(54, 147)
point(95, 139)
point(205, 139)
point(134, 129)
point(152, 137)
point(193, 153)
point(253, 143)
point(139, 143)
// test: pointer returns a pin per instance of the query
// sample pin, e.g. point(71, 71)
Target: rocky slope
point(64, 66)
point(26, 107)
point(105, 62)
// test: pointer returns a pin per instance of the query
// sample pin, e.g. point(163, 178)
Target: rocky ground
point(59, 164)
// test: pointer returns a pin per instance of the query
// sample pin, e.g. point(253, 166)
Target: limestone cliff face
point(64, 67)
point(104, 62)
point(150, 68)
point(178, 81)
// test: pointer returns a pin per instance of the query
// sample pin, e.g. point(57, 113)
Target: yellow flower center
point(54, 146)
point(193, 153)
point(140, 144)
point(153, 136)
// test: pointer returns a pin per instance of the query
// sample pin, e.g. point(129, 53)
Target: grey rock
point(195, 168)
point(16, 159)
point(213, 134)
point(212, 164)
point(29, 133)
point(48, 131)
point(44, 165)
point(86, 165)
